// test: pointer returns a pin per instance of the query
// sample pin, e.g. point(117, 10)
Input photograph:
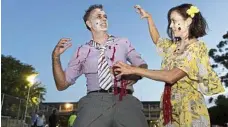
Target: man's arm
point(136, 60)
point(64, 79)
point(59, 75)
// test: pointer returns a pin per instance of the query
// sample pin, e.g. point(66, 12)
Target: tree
point(219, 112)
point(14, 83)
point(220, 57)
point(37, 93)
point(14, 75)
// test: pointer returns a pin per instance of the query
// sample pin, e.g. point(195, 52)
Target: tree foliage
point(220, 57)
point(219, 112)
point(14, 79)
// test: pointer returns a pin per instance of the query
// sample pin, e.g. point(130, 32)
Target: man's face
point(178, 25)
point(98, 20)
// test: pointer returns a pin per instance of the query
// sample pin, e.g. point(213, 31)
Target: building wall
point(151, 110)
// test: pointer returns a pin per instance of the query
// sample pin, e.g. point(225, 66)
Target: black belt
point(110, 90)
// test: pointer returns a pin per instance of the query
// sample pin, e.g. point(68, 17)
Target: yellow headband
point(192, 11)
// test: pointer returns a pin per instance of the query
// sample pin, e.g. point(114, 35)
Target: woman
point(185, 68)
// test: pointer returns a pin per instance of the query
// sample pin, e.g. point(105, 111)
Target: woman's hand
point(142, 12)
point(121, 68)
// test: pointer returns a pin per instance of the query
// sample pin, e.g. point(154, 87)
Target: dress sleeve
point(195, 62)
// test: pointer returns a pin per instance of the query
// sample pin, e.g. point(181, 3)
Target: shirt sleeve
point(195, 62)
point(133, 56)
point(163, 46)
point(74, 68)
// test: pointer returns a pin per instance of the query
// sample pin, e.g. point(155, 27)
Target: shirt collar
point(98, 45)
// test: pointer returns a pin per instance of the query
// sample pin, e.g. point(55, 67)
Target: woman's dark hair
point(197, 27)
point(89, 10)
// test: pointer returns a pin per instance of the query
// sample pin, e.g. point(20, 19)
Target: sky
point(31, 29)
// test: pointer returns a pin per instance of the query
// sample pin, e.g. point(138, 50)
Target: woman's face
point(178, 25)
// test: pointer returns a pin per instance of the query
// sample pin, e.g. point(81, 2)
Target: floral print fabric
point(188, 104)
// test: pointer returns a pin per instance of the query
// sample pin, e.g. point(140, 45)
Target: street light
point(31, 80)
point(68, 107)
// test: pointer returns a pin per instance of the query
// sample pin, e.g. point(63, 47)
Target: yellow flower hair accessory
point(192, 11)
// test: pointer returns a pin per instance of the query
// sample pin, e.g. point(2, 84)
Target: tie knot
point(102, 47)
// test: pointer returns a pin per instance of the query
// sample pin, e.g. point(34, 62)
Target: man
point(109, 101)
point(34, 118)
point(71, 119)
point(40, 120)
point(53, 119)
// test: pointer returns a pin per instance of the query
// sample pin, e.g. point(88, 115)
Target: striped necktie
point(104, 75)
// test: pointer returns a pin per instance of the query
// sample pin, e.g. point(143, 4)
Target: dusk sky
point(31, 29)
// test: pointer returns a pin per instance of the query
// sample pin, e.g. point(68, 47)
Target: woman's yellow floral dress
point(187, 100)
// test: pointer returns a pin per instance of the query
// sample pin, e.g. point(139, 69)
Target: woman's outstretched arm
point(168, 76)
point(152, 28)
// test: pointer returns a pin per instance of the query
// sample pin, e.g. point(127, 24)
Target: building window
point(66, 107)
